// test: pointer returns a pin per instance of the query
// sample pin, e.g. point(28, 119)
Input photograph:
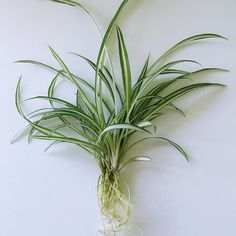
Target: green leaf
point(53, 99)
point(122, 127)
point(64, 67)
point(75, 4)
point(150, 98)
point(52, 144)
point(147, 124)
point(41, 129)
point(18, 97)
point(178, 147)
point(134, 159)
point(143, 75)
point(92, 108)
point(19, 133)
point(143, 103)
point(178, 93)
point(166, 67)
point(63, 73)
point(172, 143)
point(100, 58)
point(51, 88)
point(44, 130)
point(57, 112)
point(102, 76)
point(125, 69)
point(78, 142)
point(174, 71)
point(184, 43)
point(148, 80)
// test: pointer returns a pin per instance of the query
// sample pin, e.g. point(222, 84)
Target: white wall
point(54, 193)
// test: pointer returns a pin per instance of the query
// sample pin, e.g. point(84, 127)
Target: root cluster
point(114, 202)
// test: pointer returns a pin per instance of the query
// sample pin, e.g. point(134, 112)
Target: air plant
point(104, 124)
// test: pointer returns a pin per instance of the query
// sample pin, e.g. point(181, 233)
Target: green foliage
point(107, 139)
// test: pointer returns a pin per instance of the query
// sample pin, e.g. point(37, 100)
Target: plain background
point(54, 193)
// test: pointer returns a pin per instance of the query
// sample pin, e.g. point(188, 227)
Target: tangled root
point(113, 197)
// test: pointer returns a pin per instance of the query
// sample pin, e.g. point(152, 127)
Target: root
point(114, 202)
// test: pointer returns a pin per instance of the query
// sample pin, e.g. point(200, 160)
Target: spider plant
point(104, 124)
